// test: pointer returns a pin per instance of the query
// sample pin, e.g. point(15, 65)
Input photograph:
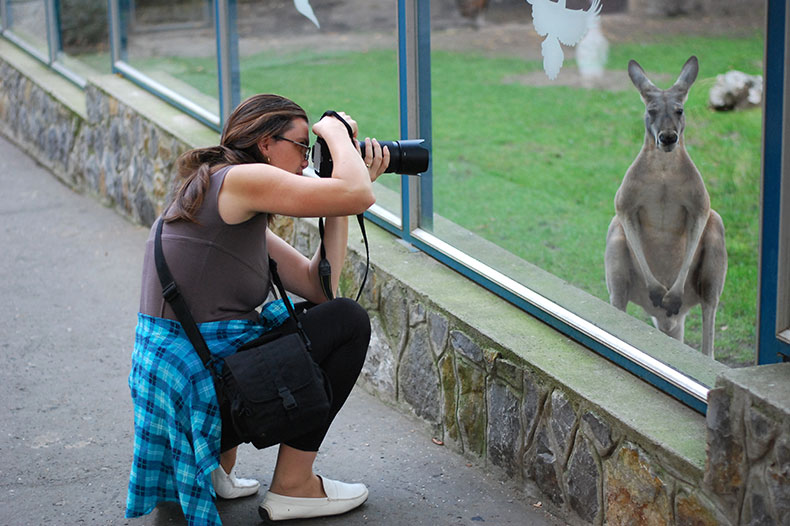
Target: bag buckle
point(289, 402)
point(170, 292)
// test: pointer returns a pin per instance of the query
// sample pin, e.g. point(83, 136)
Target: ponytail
point(258, 117)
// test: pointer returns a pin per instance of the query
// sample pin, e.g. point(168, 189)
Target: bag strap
point(173, 296)
point(294, 319)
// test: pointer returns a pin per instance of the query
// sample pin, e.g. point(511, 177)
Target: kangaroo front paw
point(657, 293)
point(671, 303)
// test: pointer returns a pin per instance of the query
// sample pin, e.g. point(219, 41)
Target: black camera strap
point(324, 267)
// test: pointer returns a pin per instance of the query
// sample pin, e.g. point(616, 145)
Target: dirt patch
point(610, 80)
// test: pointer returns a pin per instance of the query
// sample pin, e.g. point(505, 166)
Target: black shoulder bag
point(273, 388)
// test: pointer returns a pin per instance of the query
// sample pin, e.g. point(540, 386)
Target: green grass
point(535, 169)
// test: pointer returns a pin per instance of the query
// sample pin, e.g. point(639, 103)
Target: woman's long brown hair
point(258, 117)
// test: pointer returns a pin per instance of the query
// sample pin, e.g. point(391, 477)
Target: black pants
point(339, 331)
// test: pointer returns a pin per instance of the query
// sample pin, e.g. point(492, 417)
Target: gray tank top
point(222, 270)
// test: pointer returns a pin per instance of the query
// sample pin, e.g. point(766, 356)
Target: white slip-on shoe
point(340, 498)
point(230, 487)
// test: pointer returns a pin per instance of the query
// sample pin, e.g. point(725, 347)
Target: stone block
point(471, 406)
point(634, 493)
point(761, 430)
point(438, 327)
point(306, 239)
point(144, 210)
point(541, 465)
point(379, 368)
point(418, 377)
point(372, 287)
point(725, 470)
point(509, 372)
point(692, 508)
point(562, 420)
point(531, 405)
point(464, 346)
point(778, 477)
point(599, 431)
point(394, 311)
point(584, 481)
point(416, 313)
point(757, 506)
point(283, 226)
point(489, 358)
point(504, 434)
point(449, 383)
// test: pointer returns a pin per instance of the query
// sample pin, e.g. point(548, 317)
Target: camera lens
point(408, 157)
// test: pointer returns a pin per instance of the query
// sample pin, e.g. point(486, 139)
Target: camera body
point(407, 157)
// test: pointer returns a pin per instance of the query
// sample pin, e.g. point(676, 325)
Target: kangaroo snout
point(668, 140)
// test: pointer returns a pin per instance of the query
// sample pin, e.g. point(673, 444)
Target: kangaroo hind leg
point(617, 263)
point(713, 270)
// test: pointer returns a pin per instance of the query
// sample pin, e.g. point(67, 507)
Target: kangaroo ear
point(687, 75)
point(639, 78)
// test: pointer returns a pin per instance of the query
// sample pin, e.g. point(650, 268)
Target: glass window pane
point(174, 44)
point(27, 20)
point(348, 64)
point(530, 165)
point(84, 36)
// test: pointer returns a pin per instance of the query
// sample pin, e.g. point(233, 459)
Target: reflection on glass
point(174, 44)
point(532, 165)
point(84, 36)
point(27, 19)
point(348, 64)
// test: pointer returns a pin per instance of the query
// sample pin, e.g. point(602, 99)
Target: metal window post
point(770, 348)
point(54, 45)
point(4, 15)
point(414, 69)
point(227, 57)
point(118, 12)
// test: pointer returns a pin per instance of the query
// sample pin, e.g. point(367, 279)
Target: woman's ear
point(263, 147)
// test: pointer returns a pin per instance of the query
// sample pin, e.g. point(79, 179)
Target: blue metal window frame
point(227, 62)
point(770, 349)
point(54, 44)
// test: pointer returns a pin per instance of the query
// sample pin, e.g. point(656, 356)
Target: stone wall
point(749, 444)
point(491, 406)
point(505, 396)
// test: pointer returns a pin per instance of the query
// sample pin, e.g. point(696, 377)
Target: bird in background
point(560, 24)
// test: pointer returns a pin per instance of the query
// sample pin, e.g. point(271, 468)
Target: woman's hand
point(376, 158)
point(329, 126)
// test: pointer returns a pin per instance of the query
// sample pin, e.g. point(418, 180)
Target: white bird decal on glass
point(303, 6)
point(559, 24)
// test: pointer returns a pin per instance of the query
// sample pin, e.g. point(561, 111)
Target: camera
point(407, 157)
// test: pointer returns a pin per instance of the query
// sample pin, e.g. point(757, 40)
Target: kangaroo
point(665, 245)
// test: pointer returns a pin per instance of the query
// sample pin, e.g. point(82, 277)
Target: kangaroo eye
point(679, 111)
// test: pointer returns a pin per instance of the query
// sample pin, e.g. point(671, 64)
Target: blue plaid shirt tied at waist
point(177, 426)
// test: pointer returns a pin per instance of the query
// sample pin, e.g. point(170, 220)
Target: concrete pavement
point(69, 280)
